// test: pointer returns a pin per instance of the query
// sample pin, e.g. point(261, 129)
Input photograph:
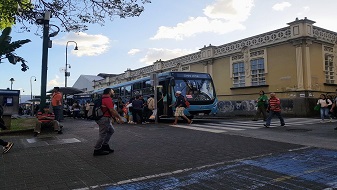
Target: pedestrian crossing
point(227, 126)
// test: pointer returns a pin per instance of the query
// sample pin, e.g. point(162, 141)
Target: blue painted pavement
point(304, 169)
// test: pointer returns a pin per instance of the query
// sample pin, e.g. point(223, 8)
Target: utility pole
point(45, 46)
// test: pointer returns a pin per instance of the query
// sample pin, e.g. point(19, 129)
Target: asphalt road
point(208, 154)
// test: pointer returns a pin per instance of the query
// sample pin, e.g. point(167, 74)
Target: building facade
point(297, 62)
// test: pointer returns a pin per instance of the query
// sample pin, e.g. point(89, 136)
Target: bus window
point(117, 92)
point(127, 91)
point(136, 88)
point(147, 88)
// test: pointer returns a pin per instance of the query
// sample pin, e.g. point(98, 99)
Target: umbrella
point(68, 90)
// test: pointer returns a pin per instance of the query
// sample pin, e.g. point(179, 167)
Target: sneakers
point(8, 147)
point(267, 126)
point(100, 152)
point(322, 121)
point(335, 128)
point(283, 125)
point(330, 120)
point(254, 119)
point(107, 148)
point(35, 134)
point(191, 121)
point(59, 132)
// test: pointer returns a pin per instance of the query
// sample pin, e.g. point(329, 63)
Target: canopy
point(68, 90)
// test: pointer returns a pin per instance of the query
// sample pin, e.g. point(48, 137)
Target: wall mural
point(249, 106)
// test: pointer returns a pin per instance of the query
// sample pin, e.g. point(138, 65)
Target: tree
point(7, 48)
point(74, 15)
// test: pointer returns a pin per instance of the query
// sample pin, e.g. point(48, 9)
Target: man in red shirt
point(46, 118)
point(274, 109)
point(106, 128)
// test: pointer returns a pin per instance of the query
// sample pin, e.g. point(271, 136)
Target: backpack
point(95, 111)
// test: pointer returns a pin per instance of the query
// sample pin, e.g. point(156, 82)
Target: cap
point(178, 92)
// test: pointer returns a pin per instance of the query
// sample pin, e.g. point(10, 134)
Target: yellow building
point(297, 62)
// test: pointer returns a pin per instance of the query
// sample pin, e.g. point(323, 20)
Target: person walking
point(6, 145)
point(324, 111)
point(333, 107)
point(180, 107)
point(56, 102)
point(106, 128)
point(274, 109)
point(262, 104)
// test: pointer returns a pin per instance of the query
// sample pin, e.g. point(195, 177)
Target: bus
point(197, 88)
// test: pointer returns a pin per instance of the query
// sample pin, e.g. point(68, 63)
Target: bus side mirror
point(172, 82)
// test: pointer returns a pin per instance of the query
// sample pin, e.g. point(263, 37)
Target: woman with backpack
point(324, 110)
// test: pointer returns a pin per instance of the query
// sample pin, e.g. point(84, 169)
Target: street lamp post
point(66, 73)
point(31, 86)
point(12, 80)
point(46, 43)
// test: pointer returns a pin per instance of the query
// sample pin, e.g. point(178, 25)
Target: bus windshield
point(195, 89)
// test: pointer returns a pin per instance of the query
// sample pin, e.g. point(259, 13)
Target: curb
point(16, 131)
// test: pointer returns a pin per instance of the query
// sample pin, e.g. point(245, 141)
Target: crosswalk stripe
point(216, 127)
point(200, 129)
point(243, 127)
point(226, 126)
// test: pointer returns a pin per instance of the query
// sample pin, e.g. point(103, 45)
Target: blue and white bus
point(197, 88)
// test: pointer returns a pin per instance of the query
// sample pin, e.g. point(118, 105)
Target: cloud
point(281, 6)
point(221, 17)
point(153, 54)
point(196, 26)
point(54, 82)
point(88, 45)
point(133, 51)
point(230, 10)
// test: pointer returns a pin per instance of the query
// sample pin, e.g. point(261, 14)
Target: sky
point(166, 29)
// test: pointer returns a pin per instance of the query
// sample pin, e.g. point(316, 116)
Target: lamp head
point(76, 48)
point(35, 79)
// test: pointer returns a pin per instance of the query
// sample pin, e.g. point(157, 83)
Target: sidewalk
point(65, 161)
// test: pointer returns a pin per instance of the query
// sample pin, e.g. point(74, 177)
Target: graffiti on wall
point(249, 105)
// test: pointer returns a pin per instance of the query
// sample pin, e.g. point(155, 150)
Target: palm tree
point(7, 48)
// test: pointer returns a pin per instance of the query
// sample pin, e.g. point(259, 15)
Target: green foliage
point(74, 15)
point(9, 9)
point(7, 48)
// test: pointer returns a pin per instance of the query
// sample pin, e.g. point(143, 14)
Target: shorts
point(179, 111)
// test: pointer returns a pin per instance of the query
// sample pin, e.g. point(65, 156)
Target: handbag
point(317, 107)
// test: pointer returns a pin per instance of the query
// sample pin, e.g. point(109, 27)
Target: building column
point(307, 65)
point(299, 66)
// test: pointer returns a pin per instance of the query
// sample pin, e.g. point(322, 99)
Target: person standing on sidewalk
point(274, 109)
point(262, 104)
point(324, 111)
point(180, 107)
point(56, 102)
point(106, 128)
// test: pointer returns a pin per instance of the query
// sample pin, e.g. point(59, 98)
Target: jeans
point(324, 112)
point(105, 132)
point(57, 112)
point(271, 115)
point(3, 143)
point(261, 109)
